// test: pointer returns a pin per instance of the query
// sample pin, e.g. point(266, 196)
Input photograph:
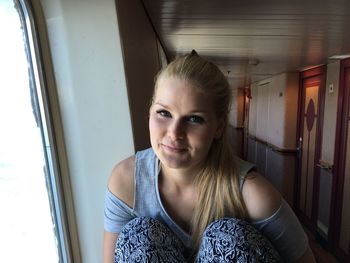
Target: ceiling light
point(340, 56)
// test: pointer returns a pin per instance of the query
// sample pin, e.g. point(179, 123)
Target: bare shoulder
point(260, 197)
point(121, 181)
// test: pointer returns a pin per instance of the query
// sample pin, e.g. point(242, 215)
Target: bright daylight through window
point(28, 223)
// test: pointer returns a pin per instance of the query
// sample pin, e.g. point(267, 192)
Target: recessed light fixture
point(340, 56)
point(311, 67)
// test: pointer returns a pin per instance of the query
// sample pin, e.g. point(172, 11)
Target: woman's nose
point(176, 130)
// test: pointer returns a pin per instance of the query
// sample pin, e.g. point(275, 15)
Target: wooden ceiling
point(253, 40)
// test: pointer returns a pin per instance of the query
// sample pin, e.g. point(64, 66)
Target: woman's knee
point(231, 239)
point(146, 237)
point(144, 225)
point(140, 222)
point(229, 226)
point(145, 231)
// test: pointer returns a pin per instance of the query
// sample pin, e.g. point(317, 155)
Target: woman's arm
point(262, 201)
point(109, 242)
point(260, 197)
point(120, 184)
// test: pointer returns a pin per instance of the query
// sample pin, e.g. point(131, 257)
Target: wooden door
point(309, 144)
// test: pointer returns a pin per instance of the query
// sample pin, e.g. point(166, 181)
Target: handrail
point(284, 151)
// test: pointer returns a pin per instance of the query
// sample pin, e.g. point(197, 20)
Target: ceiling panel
point(253, 39)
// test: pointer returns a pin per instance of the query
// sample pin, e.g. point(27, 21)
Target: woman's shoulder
point(261, 199)
point(244, 167)
point(121, 180)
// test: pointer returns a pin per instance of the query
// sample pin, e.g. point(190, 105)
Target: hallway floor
point(321, 254)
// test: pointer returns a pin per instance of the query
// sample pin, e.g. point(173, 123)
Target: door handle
point(300, 144)
point(300, 147)
point(325, 165)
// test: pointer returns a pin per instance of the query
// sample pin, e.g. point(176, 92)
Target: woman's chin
point(175, 160)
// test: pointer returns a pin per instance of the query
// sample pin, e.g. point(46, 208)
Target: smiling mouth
point(174, 149)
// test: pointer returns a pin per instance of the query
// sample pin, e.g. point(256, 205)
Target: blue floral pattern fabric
point(226, 240)
point(234, 240)
point(147, 240)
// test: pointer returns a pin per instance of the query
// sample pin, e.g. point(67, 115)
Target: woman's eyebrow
point(195, 111)
point(161, 104)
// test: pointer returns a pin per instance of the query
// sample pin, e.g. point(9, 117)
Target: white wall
point(253, 109)
point(236, 113)
point(330, 113)
point(89, 71)
point(262, 109)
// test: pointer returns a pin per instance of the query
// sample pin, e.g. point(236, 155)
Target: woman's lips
point(174, 149)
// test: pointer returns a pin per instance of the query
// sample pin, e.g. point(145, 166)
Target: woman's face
point(182, 124)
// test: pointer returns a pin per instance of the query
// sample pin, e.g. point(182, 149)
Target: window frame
point(42, 77)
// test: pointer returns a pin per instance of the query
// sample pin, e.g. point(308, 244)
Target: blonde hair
point(219, 191)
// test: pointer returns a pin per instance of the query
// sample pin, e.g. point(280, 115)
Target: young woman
point(188, 198)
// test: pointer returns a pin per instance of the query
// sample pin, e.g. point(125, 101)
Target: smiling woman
point(188, 198)
point(179, 111)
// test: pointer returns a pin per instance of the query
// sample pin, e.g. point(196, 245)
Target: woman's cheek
point(155, 126)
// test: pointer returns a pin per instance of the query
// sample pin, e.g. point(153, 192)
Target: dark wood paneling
point(339, 161)
point(141, 64)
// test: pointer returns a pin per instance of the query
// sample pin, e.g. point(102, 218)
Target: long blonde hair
point(219, 192)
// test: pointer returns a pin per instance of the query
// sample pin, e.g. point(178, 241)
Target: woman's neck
point(179, 178)
point(178, 195)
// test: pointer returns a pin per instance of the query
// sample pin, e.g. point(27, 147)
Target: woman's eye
point(164, 113)
point(196, 119)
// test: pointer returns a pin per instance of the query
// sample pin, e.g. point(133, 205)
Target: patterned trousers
point(225, 240)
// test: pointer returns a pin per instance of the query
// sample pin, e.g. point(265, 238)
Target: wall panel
point(141, 61)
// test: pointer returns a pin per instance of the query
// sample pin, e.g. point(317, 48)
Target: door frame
point(339, 162)
point(318, 73)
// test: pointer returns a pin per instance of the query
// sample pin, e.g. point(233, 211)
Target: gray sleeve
point(285, 232)
point(116, 213)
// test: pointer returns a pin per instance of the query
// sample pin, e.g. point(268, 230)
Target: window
point(33, 222)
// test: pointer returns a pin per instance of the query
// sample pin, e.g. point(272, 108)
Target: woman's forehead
point(182, 93)
point(173, 82)
point(170, 85)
